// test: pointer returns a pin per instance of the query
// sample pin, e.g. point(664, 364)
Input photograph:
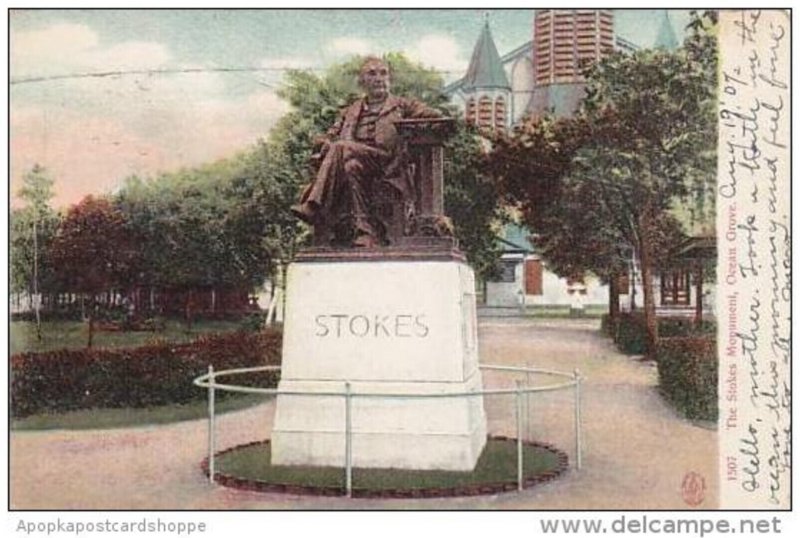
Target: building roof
point(514, 239)
point(697, 248)
point(485, 68)
point(665, 38)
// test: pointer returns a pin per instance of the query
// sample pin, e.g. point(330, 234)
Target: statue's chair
point(405, 221)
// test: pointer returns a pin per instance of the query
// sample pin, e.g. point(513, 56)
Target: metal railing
point(521, 392)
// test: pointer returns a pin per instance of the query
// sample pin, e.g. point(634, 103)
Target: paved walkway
point(636, 455)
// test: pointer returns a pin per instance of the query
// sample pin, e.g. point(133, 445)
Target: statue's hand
point(324, 144)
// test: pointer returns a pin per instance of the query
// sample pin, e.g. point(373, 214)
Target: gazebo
point(693, 255)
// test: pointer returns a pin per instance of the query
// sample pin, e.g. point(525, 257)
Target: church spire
point(485, 68)
point(665, 39)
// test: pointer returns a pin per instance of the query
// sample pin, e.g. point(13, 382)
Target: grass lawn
point(557, 311)
point(91, 419)
point(498, 463)
point(73, 335)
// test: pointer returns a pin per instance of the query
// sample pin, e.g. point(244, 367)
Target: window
point(500, 113)
point(485, 112)
point(470, 111)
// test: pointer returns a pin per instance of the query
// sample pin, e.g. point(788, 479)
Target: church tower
point(565, 41)
point(487, 92)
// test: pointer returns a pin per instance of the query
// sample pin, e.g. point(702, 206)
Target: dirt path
point(637, 450)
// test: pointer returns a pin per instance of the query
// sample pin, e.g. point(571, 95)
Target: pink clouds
point(83, 155)
point(91, 133)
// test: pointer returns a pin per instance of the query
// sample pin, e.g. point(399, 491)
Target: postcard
point(346, 259)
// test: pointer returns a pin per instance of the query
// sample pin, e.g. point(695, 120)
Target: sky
point(91, 132)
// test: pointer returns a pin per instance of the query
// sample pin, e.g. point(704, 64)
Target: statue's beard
point(378, 92)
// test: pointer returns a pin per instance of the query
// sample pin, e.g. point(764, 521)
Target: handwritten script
point(754, 267)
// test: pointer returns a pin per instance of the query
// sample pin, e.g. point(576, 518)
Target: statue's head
point(375, 78)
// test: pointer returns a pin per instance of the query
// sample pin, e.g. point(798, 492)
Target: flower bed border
point(489, 488)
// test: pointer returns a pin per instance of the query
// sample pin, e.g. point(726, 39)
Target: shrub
point(253, 322)
point(630, 331)
point(675, 326)
point(631, 334)
point(687, 373)
point(607, 326)
point(157, 374)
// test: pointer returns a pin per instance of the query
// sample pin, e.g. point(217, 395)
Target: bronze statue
point(364, 193)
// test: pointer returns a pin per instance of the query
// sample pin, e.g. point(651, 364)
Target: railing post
point(348, 441)
point(529, 434)
point(520, 480)
point(211, 425)
point(578, 440)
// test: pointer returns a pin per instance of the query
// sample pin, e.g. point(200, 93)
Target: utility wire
point(172, 71)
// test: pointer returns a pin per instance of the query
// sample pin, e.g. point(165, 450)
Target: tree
point(652, 116)
point(471, 200)
point(36, 191)
point(643, 142)
point(533, 166)
point(93, 251)
point(260, 221)
point(216, 227)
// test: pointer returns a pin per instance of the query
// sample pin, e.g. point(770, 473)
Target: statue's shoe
point(305, 212)
point(365, 241)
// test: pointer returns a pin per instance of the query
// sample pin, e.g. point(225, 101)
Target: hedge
point(630, 332)
point(687, 373)
point(606, 325)
point(157, 374)
point(675, 326)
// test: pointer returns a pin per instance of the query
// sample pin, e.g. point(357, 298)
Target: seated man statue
point(361, 158)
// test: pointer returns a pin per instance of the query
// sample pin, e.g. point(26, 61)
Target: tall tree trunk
point(36, 278)
point(646, 260)
point(613, 298)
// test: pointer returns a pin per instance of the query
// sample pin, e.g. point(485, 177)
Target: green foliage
point(682, 326)
point(67, 331)
point(37, 189)
point(630, 332)
point(534, 167)
point(156, 374)
point(607, 326)
point(472, 201)
point(127, 417)
point(35, 219)
point(221, 225)
point(254, 322)
point(643, 142)
point(688, 375)
point(22, 251)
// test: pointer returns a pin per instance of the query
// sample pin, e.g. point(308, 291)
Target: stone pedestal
point(400, 324)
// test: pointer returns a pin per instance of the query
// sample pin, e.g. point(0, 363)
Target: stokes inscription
point(371, 326)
